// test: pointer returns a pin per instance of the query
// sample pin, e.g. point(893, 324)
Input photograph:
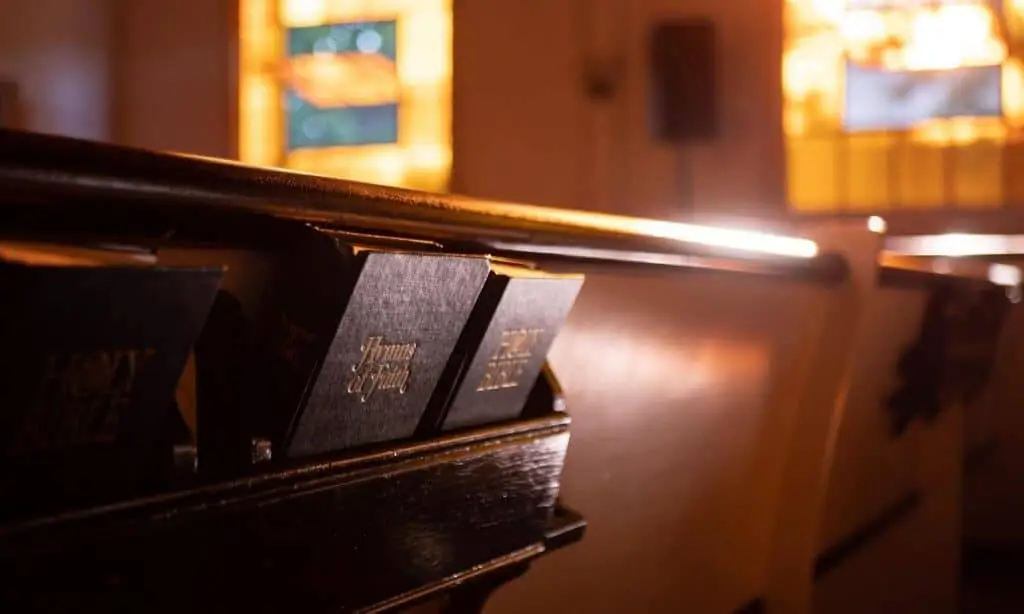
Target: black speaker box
point(684, 97)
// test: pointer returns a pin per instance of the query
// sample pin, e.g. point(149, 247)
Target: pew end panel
point(684, 384)
point(890, 512)
point(992, 244)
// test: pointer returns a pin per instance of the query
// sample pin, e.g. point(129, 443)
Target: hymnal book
point(503, 349)
point(94, 343)
point(388, 339)
point(321, 340)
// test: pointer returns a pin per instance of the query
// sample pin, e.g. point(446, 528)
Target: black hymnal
point(93, 345)
point(503, 348)
point(387, 346)
point(322, 341)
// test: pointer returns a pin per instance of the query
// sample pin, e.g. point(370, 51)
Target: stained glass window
point(357, 89)
point(322, 108)
point(903, 103)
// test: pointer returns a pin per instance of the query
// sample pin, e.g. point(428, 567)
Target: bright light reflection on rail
point(1004, 275)
point(743, 240)
point(957, 244)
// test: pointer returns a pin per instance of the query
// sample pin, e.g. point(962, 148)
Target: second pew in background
point(732, 442)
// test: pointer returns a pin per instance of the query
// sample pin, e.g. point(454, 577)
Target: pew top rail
point(117, 190)
point(101, 188)
point(901, 269)
point(930, 221)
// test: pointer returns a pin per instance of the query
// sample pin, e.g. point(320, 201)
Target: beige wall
point(525, 130)
point(58, 52)
point(146, 73)
point(519, 109)
point(742, 172)
point(175, 75)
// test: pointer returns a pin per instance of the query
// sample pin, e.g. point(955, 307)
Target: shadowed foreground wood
point(380, 530)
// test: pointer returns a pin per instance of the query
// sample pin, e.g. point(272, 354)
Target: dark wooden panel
point(384, 528)
point(990, 560)
point(754, 606)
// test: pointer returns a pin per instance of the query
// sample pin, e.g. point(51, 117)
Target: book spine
point(470, 339)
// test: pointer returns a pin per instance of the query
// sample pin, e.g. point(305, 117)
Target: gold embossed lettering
point(506, 366)
point(382, 367)
point(81, 398)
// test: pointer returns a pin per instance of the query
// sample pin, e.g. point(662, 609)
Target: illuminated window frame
point(813, 66)
point(421, 158)
point(962, 162)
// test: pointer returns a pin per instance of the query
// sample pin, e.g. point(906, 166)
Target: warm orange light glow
point(325, 79)
point(924, 38)
point(965, 160)
point(736, 239)
point(956, 244)
point(824, 34)
point(1004, 274)
point(877, 224)
point(422, 156)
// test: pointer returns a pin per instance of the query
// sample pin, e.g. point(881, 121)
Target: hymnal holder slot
point(92, 354)
point(323, 341)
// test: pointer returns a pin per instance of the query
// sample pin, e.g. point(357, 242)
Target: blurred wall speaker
point(684, 94)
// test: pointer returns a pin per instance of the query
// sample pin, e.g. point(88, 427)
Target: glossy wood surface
point(935, 220)
point(378, 530)
point(870, 468)
point(88, 187)
point(710, 414)
point(679, 440)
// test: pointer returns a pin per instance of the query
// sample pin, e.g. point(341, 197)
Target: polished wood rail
point(101, 188)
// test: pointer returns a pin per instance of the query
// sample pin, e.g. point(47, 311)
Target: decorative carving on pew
point(951, 360)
